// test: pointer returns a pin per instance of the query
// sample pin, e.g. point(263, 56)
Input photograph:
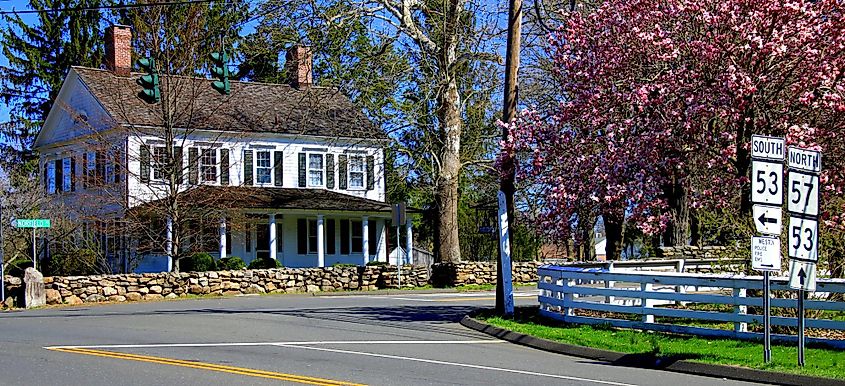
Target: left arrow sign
point(768, 219)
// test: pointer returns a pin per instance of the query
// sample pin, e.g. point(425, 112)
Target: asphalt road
point(393, 339)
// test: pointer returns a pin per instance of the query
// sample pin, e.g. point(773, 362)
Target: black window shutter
point(330, 171)
point(370, 172)
point(60, 175)
point(371, 234)
point(341, 172)
point(330, 237)
point(85, 170)
point(193, 166)
point(46, 179)
point(145, 163)
point(118, 162)
point(178, 163)
point(301, 236)
point(228, 236)
point(224, 166)
point(277, 168)
point(344, 236)
point(302, 179)
point(73, 174)
point(247, 167)
point(248, 237)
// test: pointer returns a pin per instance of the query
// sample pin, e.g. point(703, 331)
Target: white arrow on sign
point(803, 197)
point(768, 219)
point(802, 275)
point(803, 238)
point(765, 253)
point(767, 183)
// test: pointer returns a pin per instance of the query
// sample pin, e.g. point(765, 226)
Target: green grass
point(820, 362)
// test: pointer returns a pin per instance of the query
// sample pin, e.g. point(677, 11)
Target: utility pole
point(508, 114)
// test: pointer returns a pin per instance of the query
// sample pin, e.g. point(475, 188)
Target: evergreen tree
point(40, 54)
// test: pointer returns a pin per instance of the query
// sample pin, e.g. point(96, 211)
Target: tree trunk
point(449, 248)
point(677, 230)
point(588, 249)
point(614, 227)
point(695, 229)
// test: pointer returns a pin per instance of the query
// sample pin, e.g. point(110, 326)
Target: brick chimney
point(119, 49)
point(298, 64)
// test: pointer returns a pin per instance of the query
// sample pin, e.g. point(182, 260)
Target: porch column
point(271, 221)
point(381, 253)
point(409, 241)
point(169, 244)
point(365, 224)
point(321, 249)
point(222, 237)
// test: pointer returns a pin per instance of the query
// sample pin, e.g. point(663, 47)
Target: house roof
point(248, 197)
point(250, 107)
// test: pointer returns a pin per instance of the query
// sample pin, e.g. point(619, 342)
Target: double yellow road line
point(205, 366)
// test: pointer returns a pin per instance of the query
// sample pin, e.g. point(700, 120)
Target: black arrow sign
point(763, 219)
point(801, 276)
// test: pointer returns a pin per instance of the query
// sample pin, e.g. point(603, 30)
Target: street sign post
point(765, 253)
point(767, 154)
point(399, 217)
point(803, 187)
point(768, 219)
point(505, 251)
point(32, 223)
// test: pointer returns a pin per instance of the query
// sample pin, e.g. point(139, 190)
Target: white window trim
point(363, 172)
point(67, 178)
point(255, 167)
point(308, 170)
point(51, 177)
point(201, 177)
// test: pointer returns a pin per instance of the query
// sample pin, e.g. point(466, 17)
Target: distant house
point(303, 165)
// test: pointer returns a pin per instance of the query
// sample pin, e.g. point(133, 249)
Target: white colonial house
point(300, 164)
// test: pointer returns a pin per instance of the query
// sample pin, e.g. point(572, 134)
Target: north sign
point(804, 159)
point(802, 275)
point(765, 253)
point(767, 183)
point(803, 239)
point(768, 219)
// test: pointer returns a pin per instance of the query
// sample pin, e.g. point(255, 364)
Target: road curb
point(649, 362)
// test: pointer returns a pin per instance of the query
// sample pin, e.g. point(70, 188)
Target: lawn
point(820, 362)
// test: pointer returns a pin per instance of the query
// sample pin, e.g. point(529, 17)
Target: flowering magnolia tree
point(658, 104)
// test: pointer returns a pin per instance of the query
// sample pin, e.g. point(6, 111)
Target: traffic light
point(220, 71)
point(151, 92)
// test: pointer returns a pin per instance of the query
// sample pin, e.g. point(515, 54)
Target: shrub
point(231, 263)
point(344, 265)
point(377, 263)
point(80, 262)
point(198, 262)
point(264, 263)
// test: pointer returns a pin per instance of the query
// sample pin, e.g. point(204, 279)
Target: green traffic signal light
point(220, 71)
point(151, 92)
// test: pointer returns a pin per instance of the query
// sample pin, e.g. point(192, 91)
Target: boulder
point(109, 291)
point(34, 291)
point(117, 298)
point(73, 300)
point(133, 296)
point(95, 298)
point(53, 296)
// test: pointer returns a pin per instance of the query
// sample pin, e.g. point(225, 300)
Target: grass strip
point(820, 362)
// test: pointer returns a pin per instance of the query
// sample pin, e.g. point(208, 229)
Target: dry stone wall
point(152, 286)
point(694, 252)
point(467, 273)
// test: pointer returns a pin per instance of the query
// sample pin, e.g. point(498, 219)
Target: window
point(306, 236)
point(312, 236)
point(263, 167)
point(159, 163)
point(90, 167)
point(66, 175)
point(356, 171)
point(51, 177)
point(316, 169)
point(357, 236)
point(208, 165)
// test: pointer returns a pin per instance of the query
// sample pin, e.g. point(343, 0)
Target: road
point(389, 339)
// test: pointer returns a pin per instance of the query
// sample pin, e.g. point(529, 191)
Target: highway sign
point(765, 253)
point(767, 183)
point(803, 193)
point(32, 223)
point(803, 159)
point(763, 147)
point(768, 219)
point(803, 239)
point(802, 275)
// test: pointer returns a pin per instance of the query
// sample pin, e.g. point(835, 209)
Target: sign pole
point(34, 257)
point(2, 261)
point(801, 328)
point(767, 322)
point(398, 257)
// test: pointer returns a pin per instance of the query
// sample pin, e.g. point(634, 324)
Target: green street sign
point(32, 223)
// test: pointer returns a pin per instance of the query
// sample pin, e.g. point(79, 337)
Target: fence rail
point(677, 265)
point(642, 296)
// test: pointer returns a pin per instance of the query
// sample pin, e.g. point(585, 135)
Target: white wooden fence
point(563, 290)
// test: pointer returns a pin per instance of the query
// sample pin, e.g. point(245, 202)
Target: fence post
point(568, 296)
point(739, 293)
point(647, 303)
point(681, 289)
point(609, 284)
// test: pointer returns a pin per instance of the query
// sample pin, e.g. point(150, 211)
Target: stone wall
point(693, 252)
point(151, 286)
point(464, 273)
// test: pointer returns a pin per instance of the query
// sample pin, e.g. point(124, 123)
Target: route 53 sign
point(767, 182)
point(803, 239)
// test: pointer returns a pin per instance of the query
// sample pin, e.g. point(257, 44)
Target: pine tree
point(40, 55)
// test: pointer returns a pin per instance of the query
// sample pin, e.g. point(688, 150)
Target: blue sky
point(8, 5)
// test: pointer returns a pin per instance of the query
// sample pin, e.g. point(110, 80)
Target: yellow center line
point(208, 366)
